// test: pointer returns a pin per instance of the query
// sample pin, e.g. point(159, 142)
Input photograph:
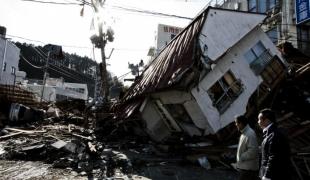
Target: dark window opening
point(272, 71)
point(4, 67)
point(262, 6)
point(225, 91)
point(178, 112)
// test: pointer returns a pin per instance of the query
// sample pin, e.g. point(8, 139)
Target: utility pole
point(45, 75)
point(101, 42)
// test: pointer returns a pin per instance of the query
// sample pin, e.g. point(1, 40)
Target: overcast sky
point(62, 25)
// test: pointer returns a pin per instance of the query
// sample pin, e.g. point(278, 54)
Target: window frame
point(13, 70)
point(228, 94)
point(4, 67)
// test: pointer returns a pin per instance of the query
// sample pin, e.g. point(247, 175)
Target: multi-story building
point(287, 21)
point(9, 58)
point(303, 25)
point(164, 34)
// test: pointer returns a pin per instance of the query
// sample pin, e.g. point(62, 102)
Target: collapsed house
point(205, 76)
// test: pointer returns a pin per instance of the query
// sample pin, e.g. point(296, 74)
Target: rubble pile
point(62, 142)
point(55, 140)
point(292, 104)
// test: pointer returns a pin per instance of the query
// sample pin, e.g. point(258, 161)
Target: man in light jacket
point(247, 153)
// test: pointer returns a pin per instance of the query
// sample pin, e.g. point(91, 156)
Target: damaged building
point(205, 76)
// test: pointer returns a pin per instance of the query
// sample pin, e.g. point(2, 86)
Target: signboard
point(165, 34)
point(302, 11)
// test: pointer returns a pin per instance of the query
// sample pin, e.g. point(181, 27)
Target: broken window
point(258, 57)
point(13, 70)
point(225, 91)
point(273, 71)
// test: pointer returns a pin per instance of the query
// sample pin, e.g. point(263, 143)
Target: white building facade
point(164, 34)
point(287, 21)
point(9, 59)
point(57, 90)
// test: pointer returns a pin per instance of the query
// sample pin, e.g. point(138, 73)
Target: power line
point(52, 2)
point(25, 38)
point(123, 75)
point(50, 63)
point(151, 12)
point(66, 74)
point(70, 46)
point(136, 10)
point(30, 62)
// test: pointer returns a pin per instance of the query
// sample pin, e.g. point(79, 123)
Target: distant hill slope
point(73, 68)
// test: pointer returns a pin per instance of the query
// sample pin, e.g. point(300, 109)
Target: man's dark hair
point(241, 119)
point(269, 114)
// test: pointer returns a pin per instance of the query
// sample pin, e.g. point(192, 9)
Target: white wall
point(9, 53)
point(155, 126)
point(74, 94)
point(50, 92)
point(224, 28)
point(235, 61)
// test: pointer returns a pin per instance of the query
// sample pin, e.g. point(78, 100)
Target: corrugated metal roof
point(171, 62)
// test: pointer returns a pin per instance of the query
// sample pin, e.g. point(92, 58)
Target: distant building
point(57, 90)
point(287, 21)
point(164, 34)
point(9, 59)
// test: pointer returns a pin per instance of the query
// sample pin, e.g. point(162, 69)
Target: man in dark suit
point(275, 163)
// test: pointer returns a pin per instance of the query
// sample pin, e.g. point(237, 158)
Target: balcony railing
point(261, 61)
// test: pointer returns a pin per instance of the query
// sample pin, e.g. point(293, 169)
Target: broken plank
point(83, 137)
point(10, 135)
point(25, 131)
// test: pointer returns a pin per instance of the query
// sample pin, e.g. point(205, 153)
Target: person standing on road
point(275, 163)
point(247, 153)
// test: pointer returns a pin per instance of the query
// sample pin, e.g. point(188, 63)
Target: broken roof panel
point(172, 61)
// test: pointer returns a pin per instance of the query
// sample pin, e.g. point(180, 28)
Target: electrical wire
point(66, 74)
point(72, 46)
point(58, 66)
point(52, 2)
point(25, 38)
point(37, 67)
point(135, 10)
point(123, 75)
